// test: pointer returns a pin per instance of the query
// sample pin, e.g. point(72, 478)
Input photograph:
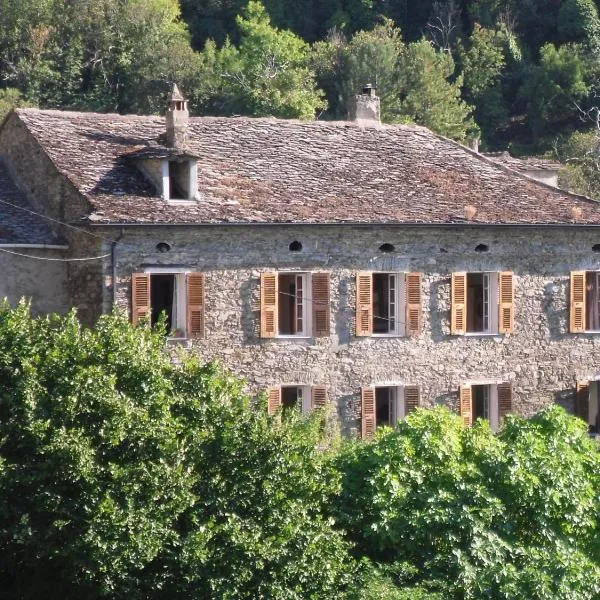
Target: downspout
point(113, 256)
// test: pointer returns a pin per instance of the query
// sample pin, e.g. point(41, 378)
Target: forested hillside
point(517, 74)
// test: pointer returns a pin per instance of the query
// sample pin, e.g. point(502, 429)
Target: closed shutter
point(140, 297)
point(504, 400)
point(195, 305)
point(320, 304)
point(458, 311)
point(577, 312)
point(506, 305)
point(368, 413)
point(319, 396)
point(274, 400)
point(413, 303)
point(582, 400)
point(268, 305)
point(466, 404)
point(364, 304)
point(411, 398)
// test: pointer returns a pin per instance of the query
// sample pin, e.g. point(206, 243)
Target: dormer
point(172, 168)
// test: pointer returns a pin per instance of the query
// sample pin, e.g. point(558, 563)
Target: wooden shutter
point(364, 304)
point(319, 396)
point(577, 312)
point(140, 297)
point(458, 311)
point(413, 303)
point(274, 400)
point(320, 304)
point(504, 391)
point(506, 304)
point(368, 413)
point(411, 399)
point(582, 400)
point(195, 304)
point(269, 293)
point(466, 404)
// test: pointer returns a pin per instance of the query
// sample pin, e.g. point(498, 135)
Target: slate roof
point(524, 165)
point(286, 171)
point(18, 225)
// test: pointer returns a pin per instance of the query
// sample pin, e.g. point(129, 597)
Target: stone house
point(370, 266)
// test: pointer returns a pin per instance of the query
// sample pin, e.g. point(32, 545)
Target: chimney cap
point(175, 95)
point(368, 89)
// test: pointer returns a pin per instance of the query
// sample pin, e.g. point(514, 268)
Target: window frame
point(192, 184)
point(400, 305)
point(397, 405)
point(493, 406)
point(304, 402)
point(182, 300)
point(307, 331)
point(492, 302)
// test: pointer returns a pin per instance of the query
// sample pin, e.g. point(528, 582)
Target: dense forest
point(516, 74)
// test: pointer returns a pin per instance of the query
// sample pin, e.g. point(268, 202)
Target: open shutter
point(195, 304)
point(506, 305)
point(411, 399)
point(364, 304)
point(320, 304)
point(368, 413)
point(466, 404)
point(140, 297)
point(582, 400)
point(504, 400)
point(577, 312)
point(458, 312)
point(268, 305)
point(319, 396)
point(274, 400)
point(413, 303)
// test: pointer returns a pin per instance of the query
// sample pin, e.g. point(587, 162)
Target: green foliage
point(268, 75)
point(578, 21)
point(10, 98)
point(581, 154)
point(124, 475)
point(479, 515)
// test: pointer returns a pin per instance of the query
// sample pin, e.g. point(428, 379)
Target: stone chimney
point(177, 118)
point(364, 107)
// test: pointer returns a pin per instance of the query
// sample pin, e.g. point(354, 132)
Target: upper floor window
point(386, 405)
point(177, 296)
point(388, 303)
point(482, 303)
point(303, 398)
point(488, 401)
point(180, 179)
point(294, 304)
point(585, 301)
point(587, 404)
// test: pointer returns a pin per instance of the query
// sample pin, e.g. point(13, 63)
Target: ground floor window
point(167, 297)
point(297, 397)
point(389, 405)
point(386, 405)
point(489, 401)
point(587, 404)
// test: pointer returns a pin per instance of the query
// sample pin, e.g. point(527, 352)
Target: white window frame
point(492, 400)
point(397, 407)
point(306, 315)
point(491, 302)
point(593, 401)
point(399, 303)
point(181, 292)
point(597, 274)
point(192, 182)
point(303, 396)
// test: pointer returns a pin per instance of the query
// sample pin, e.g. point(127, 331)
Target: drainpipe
point(113, 255)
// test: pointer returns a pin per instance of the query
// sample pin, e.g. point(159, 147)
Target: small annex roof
point(525, 164)
point(285, 171)
point(19, 225)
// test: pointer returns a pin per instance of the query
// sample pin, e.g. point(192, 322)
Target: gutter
point(113, 256)
point(39, 246)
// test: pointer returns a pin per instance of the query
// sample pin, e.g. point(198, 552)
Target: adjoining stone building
point(374, 267)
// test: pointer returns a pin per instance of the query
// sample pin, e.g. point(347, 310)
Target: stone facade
point(541, 358)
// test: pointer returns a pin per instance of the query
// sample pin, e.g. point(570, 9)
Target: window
point(587, 404)
point(179, 296)
point(386, 405)
point(180, 179)
point(294, 304)
point(388, 304)
point(482, 303)
point(296, 397)
point(488, 401)
point(585, 301)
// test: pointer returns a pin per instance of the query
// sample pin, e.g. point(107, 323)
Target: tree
point(125, 475)
point(578, 22)
point(428, 96)
point(475, 515)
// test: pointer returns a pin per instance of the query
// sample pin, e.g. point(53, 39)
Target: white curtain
point(174, 315)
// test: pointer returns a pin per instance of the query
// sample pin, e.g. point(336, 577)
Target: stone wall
point(541, 359)
point(43, 282)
